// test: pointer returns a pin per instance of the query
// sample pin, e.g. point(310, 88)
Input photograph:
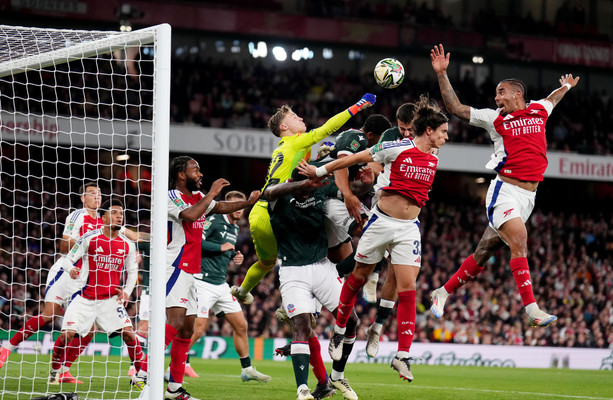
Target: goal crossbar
point(118, 40)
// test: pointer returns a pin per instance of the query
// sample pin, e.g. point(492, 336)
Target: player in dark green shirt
point(341, 216)
point(307, 276)
point(219, 237)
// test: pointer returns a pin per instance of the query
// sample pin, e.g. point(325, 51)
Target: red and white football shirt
point(79, 222)
point(103, 262)
point(520, 145)
point(184, 242)
point(411, 170)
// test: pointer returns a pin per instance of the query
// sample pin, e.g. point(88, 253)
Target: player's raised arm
point(334, 123)
point(281, 189)
point(311, 171)
point(193, 213)
point(567, 82)
point(227, 207)
point(440, 62)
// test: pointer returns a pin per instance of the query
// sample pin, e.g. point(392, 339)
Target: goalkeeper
point(295, 145)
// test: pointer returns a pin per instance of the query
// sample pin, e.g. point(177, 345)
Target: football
point(389, 73)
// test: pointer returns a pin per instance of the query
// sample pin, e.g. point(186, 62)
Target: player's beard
point(191, 184)
point(116, 227)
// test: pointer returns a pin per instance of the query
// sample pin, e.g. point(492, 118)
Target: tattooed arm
point(440, 62)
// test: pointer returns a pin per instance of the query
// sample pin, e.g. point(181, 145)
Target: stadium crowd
point(243, 95)
point(569, 20)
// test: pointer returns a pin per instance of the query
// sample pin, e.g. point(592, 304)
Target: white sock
point(336, 376)
point(532, 308)
point(374, 276)
point(173, 386)
point(402, 354)
point(442, 289)
point(338, 329)
point(377, 327)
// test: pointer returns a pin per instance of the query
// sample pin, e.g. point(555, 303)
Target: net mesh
point(75, 107)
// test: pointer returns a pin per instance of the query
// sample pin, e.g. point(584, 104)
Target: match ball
point(389, 73)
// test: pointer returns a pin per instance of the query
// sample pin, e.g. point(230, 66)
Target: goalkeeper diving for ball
point(294, 146)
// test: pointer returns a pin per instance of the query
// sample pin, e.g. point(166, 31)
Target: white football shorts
point(338, 222)
point(402, 237)
point(181, 290)
point(61, 288)
point(505, 201)
point(216, 298)
point(303, 286)
point(109, 314)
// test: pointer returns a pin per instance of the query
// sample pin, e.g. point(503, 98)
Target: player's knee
point(267, 265)
point(302, 327)
point(240, 328)
point(361, 273)
point(67, 336)
point(47, 318)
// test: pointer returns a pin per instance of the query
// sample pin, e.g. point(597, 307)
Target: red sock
point(143, 363)
point(467, 272)
point(178, 357)
point(169, 334)
point(521, 273)
point(349, 293)
point(57, 359)
point(319, 369)
point(136, 353)
point(75, 348)
point(405, 317)
point(31, 326)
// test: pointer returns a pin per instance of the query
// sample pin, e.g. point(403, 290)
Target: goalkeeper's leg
point(266, 250)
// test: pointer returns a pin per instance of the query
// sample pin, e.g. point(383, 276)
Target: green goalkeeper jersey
point(217, 230)
point(299, 227)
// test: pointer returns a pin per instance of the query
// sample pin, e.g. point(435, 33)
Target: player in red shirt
point(517, 129)
point(187, 210)
point(60, 288)
point(394, 223)
point(101, 256)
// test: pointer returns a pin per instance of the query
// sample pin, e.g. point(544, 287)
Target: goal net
point(79, 111)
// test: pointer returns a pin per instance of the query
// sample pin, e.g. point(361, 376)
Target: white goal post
point(79, 106)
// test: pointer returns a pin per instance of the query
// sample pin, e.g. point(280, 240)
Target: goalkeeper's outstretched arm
point(334, 123)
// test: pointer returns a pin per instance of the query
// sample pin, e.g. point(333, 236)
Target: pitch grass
point(24, 377)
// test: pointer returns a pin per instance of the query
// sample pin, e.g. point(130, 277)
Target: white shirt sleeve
point(131, 268)
point(78, 251)
point(73, 224)
point(483, 118)
point(387, 152)
point(175, 205)
point(548, 105)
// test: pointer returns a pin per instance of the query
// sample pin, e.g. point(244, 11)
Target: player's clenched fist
point(254, 196)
